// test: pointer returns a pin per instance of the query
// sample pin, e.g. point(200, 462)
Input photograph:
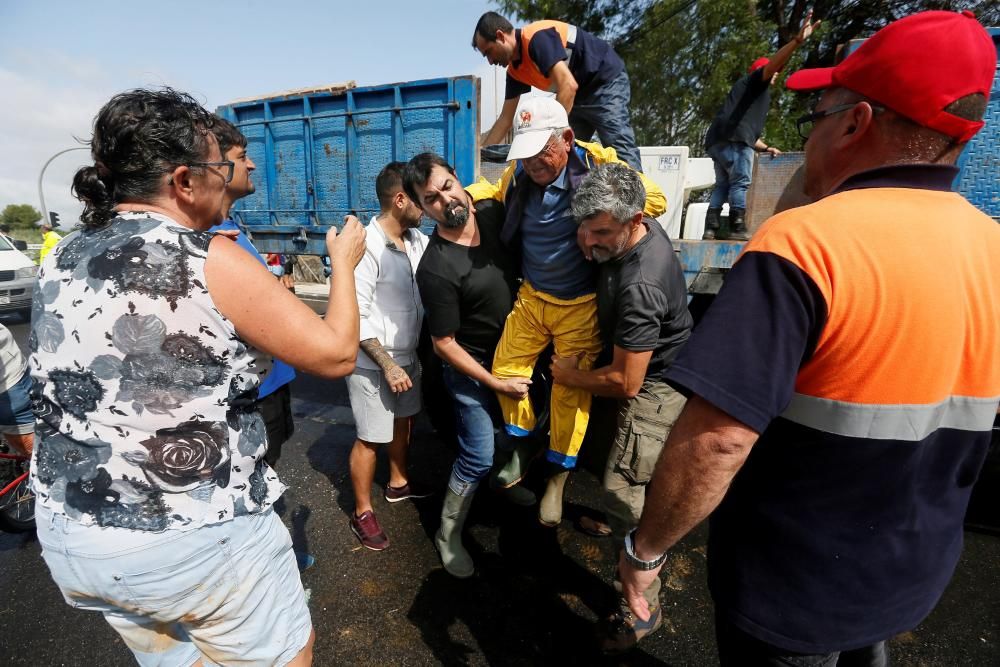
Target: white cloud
point(52, 99)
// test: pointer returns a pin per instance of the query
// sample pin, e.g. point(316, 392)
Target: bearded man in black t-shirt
point(467, 280)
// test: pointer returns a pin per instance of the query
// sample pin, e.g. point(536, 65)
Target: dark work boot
point(738, 224)
point(711, 224)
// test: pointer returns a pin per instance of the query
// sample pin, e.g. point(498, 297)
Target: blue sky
point(61, 60)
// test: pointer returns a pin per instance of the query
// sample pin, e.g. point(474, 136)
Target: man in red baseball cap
point(735, 132)
point(841, 395)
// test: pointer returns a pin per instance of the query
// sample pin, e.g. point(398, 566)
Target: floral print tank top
point(143, 392)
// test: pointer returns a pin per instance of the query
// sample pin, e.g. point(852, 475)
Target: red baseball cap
point(917, 66)
point(760, 62)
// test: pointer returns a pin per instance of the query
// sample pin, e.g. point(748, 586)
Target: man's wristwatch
point(637, 562)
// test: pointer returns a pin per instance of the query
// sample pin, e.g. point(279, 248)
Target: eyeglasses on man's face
point(228, 165)
point(805, 124)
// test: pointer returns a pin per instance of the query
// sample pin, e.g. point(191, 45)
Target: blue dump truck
point(318, 152)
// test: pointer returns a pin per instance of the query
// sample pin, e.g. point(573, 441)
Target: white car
point(17, 278)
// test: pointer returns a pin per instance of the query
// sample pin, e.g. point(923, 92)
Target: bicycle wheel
point(17, 507)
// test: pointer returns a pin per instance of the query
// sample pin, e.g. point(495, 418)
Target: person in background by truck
point(585, 73)
point(49, 240)
point(556, 302)
point(274, 398)
point(734, 135)
point(467, 280)
point(842, 394)
point(385, 386)
point(281, 266)
point(644, 321)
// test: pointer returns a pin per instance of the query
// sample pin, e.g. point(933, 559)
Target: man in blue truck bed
point(585, 73)
point(842, 390)
point(735, 132)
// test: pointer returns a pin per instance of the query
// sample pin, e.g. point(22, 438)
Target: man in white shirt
point(385, 386)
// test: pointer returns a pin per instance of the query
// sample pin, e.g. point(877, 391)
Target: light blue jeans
point(733, 167)
point(228, 593)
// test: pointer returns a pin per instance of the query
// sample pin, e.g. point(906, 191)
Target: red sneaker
point(368, 532)
point(409, 490)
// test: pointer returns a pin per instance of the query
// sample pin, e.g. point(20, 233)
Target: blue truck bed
point(318, 153)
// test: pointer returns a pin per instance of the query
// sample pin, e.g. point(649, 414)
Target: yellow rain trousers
point(537, 319)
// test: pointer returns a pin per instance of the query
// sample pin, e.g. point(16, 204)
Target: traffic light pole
point(41, 194)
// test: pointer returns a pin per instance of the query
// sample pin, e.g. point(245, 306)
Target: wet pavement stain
point(678, 568)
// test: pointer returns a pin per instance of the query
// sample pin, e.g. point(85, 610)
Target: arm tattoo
point(377, 353)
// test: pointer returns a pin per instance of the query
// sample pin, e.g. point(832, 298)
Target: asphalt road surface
point(533, 600)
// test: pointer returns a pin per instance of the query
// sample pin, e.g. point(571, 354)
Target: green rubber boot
point(514, 470)
point(550, 509)
point(517, 494)
point(448, 540)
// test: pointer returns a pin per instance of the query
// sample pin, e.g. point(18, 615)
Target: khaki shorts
point(643, 425)
point(376, 406)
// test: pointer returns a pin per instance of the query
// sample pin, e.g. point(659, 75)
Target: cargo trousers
point(536, 320)
point(643, 425)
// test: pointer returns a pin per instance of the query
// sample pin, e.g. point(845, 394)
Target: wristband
point(637, 562)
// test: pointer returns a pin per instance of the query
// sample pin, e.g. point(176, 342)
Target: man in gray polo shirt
point(385, 386)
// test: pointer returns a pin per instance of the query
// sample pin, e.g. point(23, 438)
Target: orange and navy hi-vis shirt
point(542, 44)
point(860, 335)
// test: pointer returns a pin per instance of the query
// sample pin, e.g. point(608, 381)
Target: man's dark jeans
point(738, 649)
point(605, 109)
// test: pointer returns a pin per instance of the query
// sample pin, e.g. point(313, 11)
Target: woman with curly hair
point(149, 340)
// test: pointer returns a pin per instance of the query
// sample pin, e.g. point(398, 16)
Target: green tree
point(20, 215)
point(684, 55)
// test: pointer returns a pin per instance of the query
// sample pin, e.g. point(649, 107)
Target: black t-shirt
point(468, 291)
point(743, 115)
point(592, 64)
point(642, 300)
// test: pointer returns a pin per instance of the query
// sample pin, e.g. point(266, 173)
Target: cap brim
point(807, 80)
point(528, 144)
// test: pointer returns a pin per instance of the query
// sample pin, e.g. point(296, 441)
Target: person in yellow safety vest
point(585, 73)
point(556, 302)
point(49, 240)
